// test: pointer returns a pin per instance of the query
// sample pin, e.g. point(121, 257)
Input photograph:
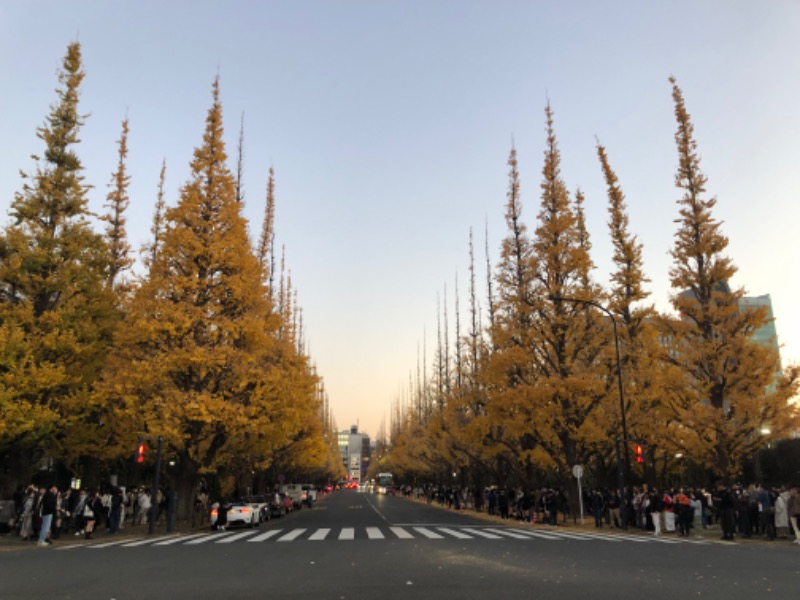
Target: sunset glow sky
point(389, 124)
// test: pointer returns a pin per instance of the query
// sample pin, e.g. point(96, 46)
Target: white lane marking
point(485, 534)
point(374, 533)
point(577, 536)
point(142, 542)
point(265, 536)
point(178, 539)
point(109, 544)
point(401, 533)
point(632, 538)
point(538, 534)
point(428, 533)
point(456, 534)
point(320, 534)
point(511, 534)
point(206, 538)
point(347, 533)
point(233, 538)
point(292, 535)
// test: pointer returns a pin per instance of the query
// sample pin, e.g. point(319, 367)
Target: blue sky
point(389, 125)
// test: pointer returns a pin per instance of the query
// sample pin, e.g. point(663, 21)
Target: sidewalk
point(11, 541)
point(712, 534)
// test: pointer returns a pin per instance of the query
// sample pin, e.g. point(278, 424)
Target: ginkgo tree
point(199, 362)
point(731, 388)
point(57, 310)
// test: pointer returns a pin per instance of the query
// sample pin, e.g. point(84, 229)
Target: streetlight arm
point(621, 470)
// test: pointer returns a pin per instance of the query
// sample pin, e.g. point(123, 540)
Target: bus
point(384, 483)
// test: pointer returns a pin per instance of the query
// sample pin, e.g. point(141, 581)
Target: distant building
point(767, 335)
point(355, 450)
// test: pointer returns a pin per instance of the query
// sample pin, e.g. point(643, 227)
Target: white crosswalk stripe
point(455, 533)
point(405, 532)
point(485, 534)
point(401, 533)
point(265, 536)
point(431, 535)
point(320, 534)
point(292, 535)
point(233, 538)
point(538, 534)
point(179, 539)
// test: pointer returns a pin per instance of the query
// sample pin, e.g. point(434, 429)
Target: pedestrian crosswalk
point(398, 532)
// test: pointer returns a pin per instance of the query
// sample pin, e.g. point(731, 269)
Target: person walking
point(682, 513)
point(115, 511)
point(793, 508)
point(26, 530)
point(782, 514)
point(49, 508)
point(222, 515)
point(92, 513)
point(598, 506)
point(656, 508)
point(723, 500)
point(78, 520)
point(766, 512)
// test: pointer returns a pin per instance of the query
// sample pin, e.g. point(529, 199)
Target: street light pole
point(621, 467)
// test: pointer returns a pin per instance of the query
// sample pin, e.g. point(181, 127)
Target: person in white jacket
point(144, 506)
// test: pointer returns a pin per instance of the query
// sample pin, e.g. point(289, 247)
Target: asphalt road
point(362, 546)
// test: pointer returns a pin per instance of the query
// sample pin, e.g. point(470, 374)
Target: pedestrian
point(697, 511)
point(92, 512)
point(793, 508)
point(28, 503)
point(598, 506)
point(656, 508)
point(669, 512)
point(49, 507)
point(37, 511)
point(115, 511)
point(682, 513)
point(766, 511)
point(492, 501)
point(782, 514)
point(724, 501)
point(502, 503)
point(222, 515)
point(143, 501)
point(78, 520)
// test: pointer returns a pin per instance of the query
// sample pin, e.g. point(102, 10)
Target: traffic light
point(638, 451)
point(140, 451)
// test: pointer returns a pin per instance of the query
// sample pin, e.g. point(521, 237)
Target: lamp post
point(621, 467)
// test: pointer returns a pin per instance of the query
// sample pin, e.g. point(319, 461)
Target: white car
point(239, 513)
point(261, 505)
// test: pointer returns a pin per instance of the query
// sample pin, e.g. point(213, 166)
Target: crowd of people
point(744, 511)
point(44, 514)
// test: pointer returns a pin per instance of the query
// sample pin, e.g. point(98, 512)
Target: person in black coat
point(222, 515)
point(92, 512)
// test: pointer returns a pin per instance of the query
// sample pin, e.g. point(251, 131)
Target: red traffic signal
point(140, 450)
point(638, 451)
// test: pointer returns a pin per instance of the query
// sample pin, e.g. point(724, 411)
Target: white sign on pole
point(577, 471)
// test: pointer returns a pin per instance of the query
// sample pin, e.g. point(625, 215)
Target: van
point(296, 492)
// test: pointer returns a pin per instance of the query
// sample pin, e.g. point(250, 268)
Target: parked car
point(260, 504)
point(239, 513)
